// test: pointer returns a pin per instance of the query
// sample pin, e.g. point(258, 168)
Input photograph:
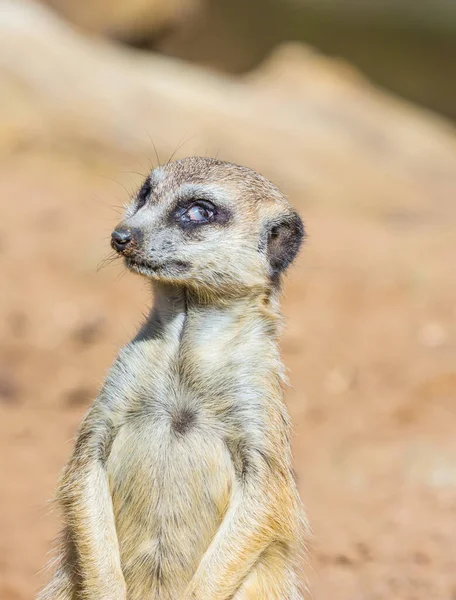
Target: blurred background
point(347, 105)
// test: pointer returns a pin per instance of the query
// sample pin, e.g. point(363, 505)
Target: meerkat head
point(210, 225)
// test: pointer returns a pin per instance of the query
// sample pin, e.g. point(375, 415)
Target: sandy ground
point(370, 344)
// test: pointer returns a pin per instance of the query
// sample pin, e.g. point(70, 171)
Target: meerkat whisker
point(155, 149)
point(179, 146)
point(108, 260)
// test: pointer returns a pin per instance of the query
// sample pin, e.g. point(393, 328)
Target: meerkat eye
point(198, 212)
point(143, 194)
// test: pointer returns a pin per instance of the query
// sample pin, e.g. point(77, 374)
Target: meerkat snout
point(210, 225)
point(122, 239)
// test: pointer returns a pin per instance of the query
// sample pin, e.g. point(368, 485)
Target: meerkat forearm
point(87, 506)
point(261, 512)
point(244, 535)
point(90, 516)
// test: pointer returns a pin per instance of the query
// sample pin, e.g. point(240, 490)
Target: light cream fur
point(180, 485)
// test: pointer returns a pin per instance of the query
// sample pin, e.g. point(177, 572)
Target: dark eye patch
point(193, 213)
point(143, 194)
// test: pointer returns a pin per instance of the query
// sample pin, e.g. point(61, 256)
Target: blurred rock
point(126, 19)
point(314, 126)
point(406, 46)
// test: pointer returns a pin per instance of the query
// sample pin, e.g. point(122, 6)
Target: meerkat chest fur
point(197, 389)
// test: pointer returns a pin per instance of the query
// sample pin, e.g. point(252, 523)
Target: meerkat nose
point(121, 239)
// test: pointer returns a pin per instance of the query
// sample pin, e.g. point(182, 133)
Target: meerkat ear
point(284, 238)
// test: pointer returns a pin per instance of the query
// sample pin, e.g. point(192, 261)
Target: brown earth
point(370, 306)
point(370, 343)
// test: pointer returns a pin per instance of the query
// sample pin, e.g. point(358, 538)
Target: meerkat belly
point(170, 484)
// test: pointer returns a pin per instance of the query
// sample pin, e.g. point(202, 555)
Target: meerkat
point(180, 484)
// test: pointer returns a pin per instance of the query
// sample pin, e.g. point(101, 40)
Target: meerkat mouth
point(146, 267)
point(140, 263)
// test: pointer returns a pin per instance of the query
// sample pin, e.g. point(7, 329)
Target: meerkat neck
point(238, 335)
point(173, 303)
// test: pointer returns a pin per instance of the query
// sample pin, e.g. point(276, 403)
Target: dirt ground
point(370, 344)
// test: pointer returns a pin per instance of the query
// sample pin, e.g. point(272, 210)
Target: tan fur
point(180, 484)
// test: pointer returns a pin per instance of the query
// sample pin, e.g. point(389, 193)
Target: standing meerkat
point(180, 485)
